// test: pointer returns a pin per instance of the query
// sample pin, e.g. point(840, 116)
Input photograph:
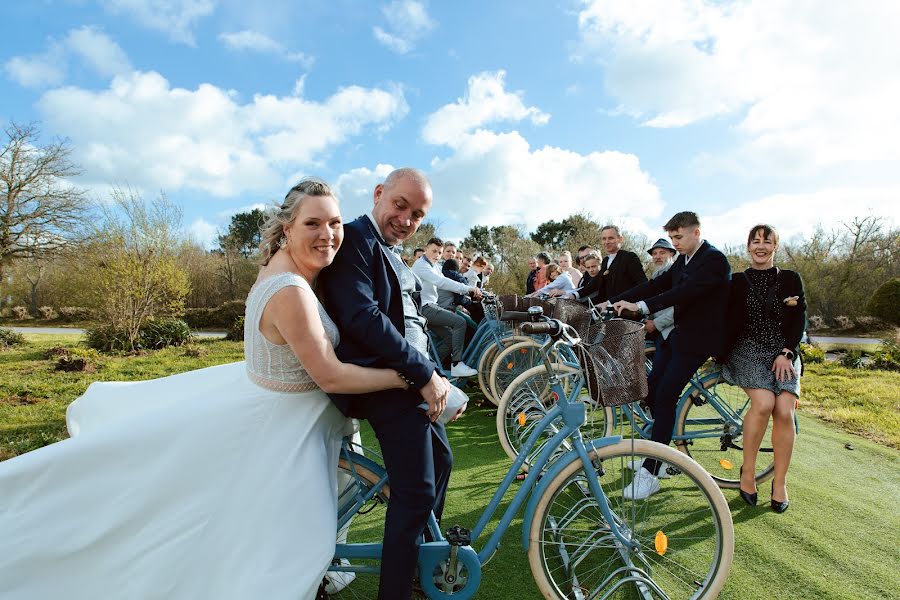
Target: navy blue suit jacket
point(699, 292)
point(362, 295)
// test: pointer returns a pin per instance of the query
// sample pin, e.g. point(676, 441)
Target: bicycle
point(584, 539)
point(708, 425)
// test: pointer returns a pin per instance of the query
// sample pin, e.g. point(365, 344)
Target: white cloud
point(88, 44)
point(408, 22)
point(486, 101)
point(812, 84)
point(143, 131)
point(355, 187)
point(96, 49)
point(500, 180)
point(248, 40)
point(175, 18)
point(203, 232)
point(493, 178)
point(798, 214)
point(38, 70)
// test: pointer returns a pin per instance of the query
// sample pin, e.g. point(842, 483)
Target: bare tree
point(40, 210)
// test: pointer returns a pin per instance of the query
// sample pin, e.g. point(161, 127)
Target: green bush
point(812, 354)
point(853, 359)
point(885, 302)
point(85, 360)
point(161, 333)
point(9, 338)
point(236, 331)
point(887, 356)
point(76, 313)
point(220, 317)
point(108, 338)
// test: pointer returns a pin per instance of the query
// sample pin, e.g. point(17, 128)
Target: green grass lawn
point(836, 540)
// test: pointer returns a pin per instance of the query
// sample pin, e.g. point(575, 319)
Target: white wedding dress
point(217, 484)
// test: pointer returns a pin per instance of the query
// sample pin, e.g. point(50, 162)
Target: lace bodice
point(275, 366)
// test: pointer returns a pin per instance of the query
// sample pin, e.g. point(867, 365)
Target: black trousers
point(672, 369)
point(418, 460)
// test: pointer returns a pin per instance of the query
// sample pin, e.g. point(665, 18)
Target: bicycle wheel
point(528, 399)
point(716, 442)
point(682, 536)
point(511, 362)
point(366, 526)
point(486, 360)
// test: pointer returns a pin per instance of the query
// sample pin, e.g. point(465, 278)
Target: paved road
point(77, 331)
point(843, 340)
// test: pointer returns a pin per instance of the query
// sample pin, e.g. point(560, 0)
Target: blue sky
point(782, 111)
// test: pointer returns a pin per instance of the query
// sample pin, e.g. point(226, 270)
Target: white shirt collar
point(377, 228)
point(688, 258)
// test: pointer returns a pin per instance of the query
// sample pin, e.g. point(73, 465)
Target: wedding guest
point(565, 261)
point(660, 324)
point(541, 279)
point(473, 275)
point(532, 274)
point(767, 314)
point(486, 274)
point(560, 282)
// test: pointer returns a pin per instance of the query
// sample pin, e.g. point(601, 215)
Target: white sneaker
point(637, 463)
point(461, 369)
point(644, 485)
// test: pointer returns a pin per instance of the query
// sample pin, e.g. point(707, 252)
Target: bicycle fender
point(548, 476)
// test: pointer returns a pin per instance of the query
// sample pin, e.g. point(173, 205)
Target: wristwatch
point(787, 354)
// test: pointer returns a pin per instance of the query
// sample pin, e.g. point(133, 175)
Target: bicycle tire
point(571, 543)
point(721, 464)
point(510, 362)
point(487, 359)
point(529, 394)
point(366, 526)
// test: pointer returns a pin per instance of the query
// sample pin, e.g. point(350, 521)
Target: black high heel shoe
point(751, 498)
point(777, 505)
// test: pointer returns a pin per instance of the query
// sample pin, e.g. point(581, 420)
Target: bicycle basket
point(573, 313)
point(614, 368)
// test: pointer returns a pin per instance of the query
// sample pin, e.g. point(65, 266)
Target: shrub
point(85, 360)
point(76, 313)
point(20, 312)
point(812, 354)
point(866, 324)
point(108, 338)
point(816, 322)
point(844, 322)
point(220, 317)
point(10, 338)
point(161, 333)
point(56, 352)
point(885, 302)
point(47, 312)
point(853, 359)
point(236, 331)
point(5, 312)
point(887, 356)
point(194, 351)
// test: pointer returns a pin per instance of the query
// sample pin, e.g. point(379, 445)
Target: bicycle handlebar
point(552, 327)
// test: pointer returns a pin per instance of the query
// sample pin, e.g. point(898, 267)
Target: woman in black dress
point(767, 315)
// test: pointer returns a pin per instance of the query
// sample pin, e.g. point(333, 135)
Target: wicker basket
point(615, 366)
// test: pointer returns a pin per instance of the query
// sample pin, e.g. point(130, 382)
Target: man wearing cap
point(661, 323)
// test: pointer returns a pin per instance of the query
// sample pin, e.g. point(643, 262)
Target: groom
point(369, 292)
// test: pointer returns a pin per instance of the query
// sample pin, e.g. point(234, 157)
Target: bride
point(216, 483)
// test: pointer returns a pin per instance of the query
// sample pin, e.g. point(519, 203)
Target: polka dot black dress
point(749, 364)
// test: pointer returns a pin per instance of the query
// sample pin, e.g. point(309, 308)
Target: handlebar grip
point(544, 327)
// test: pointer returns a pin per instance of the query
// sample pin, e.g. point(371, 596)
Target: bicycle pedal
point(459, 536)
point(670, 470)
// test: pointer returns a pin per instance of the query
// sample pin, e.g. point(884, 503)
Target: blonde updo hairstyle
point(282, 216)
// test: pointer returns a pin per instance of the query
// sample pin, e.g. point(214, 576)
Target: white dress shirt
point(432, 279)
point(562, 282)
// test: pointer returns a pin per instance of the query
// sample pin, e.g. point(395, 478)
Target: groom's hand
point(435, 394)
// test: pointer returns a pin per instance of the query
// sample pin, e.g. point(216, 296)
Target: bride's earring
point(282, 242)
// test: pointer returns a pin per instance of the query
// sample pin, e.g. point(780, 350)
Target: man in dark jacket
point(620, 270)
point(697, 285)
point(532, 273)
